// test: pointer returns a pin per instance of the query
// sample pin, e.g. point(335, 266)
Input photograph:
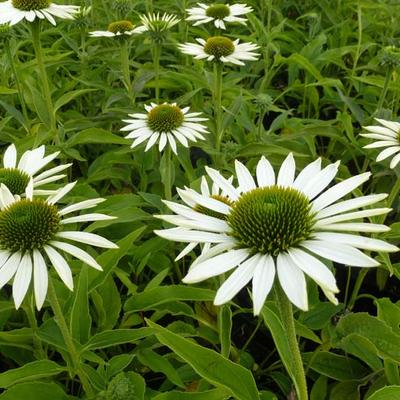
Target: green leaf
point(386, 393)
point(95, 135)
point(35, 391)
point(158, 363)
point(69, 96)
point(152, 298)
point(377, 332)
point(29, 372)
point(215, 394)
point(116, 337)
point(225, 328)
point(210, 365)
point(81, 320)
point(337, 367)
point(345, 390)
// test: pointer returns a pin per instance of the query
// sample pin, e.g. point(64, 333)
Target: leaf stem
point(35, 26)
point(62, 324)
point(218, 67)
point(287, 319)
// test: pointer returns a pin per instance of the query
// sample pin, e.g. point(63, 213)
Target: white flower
point(118, 28)
point(17, 174)
point(165, 123)
point(221, 48)
point(278, 224)
point(14, 11)
point(387, 136)
point(32, 231)
point(219, 13)
point(157, 23)
point(215, 193)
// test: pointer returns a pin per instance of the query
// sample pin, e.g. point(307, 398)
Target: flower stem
point(62, 324)
point(168, 173)
point(218, 66)
point(384, 89)
point(156, 59)
point(357, 286)
point(30, 313)
point(35, 25)
point(18, 84)
point(125, 65)
point(286, 312)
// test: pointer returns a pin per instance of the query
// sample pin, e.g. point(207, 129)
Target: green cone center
point(211, 213)
point(218, 11)
point(29, 5)
point(219, 46)
point(120, 27)
point(271, 220)
point(14, 179)
point(28, 224)
point(165, 118)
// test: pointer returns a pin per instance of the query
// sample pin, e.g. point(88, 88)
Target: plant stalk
point(73, 353)
point(287, 319)
point(218, 67)
point(35, 26)
point(156, 58)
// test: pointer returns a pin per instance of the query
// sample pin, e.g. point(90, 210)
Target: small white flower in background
point(387, 135)
point(281, 224)
point(32, 231)
point(219, 13)
point(14, 11)
point(118, 28)
point(215, 193)
point(221, 48)
point(157, 23)
point(17, 174)
point(165, 123)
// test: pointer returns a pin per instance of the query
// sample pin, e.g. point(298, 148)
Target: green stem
point(218, 66)
point(286, 312)
point(30, 313)
point(156, 58)
point(357, 286)
point(19, 87)
point(35, 25)
point(384, 89)
point(73, 353)
point(392, 197)
point(125, 65)
point(168, 173)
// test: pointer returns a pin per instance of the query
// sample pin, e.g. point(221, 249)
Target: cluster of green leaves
point(139, 332)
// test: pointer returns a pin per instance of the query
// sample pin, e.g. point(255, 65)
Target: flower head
point(16, 175)
point(278, 224)
point(387, 136)
point(165, 123)
point(118, 28)
point(14, 11)
point(219, 13)
point(32, 231)
point(157, 23)
point(221, 48)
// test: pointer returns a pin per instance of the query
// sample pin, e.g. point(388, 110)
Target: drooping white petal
point(6, 197)
point(292, 281)
point(40, 278)
point(215, 266)
point(82, 205)
point(61, 193)
point(22, 279)
point(61, 266)
point(88, 238)
point(9, 268)
point(87, 218)
point(339, 252)
point(188, 235)
point(263, 280)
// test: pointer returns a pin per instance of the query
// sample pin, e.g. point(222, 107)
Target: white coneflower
point(33, 230)
point(118, 28)
point(219, 13)
point(221, 48)
point(14, 11)
point(17, 174)
point(156, 23)
point(387, 136)
point(214, 193)
point(165, 123)
point(278, 224)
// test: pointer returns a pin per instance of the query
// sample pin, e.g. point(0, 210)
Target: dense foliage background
point(325, 71)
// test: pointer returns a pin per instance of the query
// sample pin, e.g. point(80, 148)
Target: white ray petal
point(82, 205)
point(61, 193)
point(292, 281)
point(223, 183)
point(263, 280)
point(246, 181)
point(287, 172)
point(88, 238)
point(265, 173)
point(10, 157)
point(9, 268)
point(87, 218)
point(61, 266)
point(22, 279)
point(40, 278)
